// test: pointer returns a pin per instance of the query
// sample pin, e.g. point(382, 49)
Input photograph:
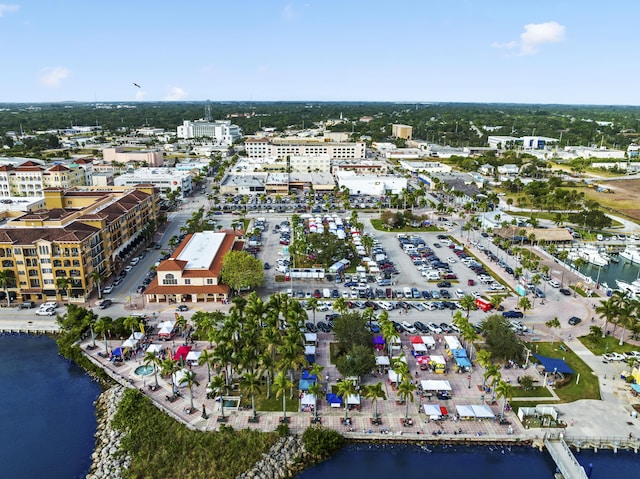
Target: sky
point(487, 51)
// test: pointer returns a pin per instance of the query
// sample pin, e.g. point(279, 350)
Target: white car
point(408, 327)
point(107, 289)
point(434, 328)
point(459, 293)
point(49, 304)
point(553, 283)
point(135, 261)
point(451, 259)
point(613, 357)
point(46, 312)
point(128, 268)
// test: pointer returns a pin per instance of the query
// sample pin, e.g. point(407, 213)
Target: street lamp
point(469, 378)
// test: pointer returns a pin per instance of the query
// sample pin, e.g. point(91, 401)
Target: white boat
point(633, 288)
point(631, 253)
point(591, 254)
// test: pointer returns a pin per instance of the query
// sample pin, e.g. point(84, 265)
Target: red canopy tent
point(181, 353)
point(416, 340)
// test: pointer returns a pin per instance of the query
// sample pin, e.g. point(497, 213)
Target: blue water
point(623, 270)
point(462, 462)
point(46, 411)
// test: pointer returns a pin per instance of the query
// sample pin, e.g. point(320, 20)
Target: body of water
point(46, 411)
point(623, 270)
point(473, 462)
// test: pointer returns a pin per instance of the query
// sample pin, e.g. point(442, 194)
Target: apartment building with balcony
point(30, 178)
point(80, 230)
point(286, 147)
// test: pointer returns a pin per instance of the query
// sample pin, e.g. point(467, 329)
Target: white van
point(326, 293)
point(407, 293)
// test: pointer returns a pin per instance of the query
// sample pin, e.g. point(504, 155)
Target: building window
point(169, 279)
point(209, 280)
point(187, 281)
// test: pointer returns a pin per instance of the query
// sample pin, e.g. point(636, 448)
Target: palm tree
point(373, 392)
point(483, 358)
point(496, 301)
point(389, 334)
point(405, 391)
point(7, 279)
point(151, 357)
point(281, 383)
point(504, 390)
point(607, 310)
point(401, 368)
point(340, 305)
point(468, 303)
point(131, 322)
point(250, 385)
point(98, 279)
point(209, 358)
point(218, 386)
point(491, 371)
point(102, 326)
point(168, 367)
point(317, 390)
point(189, 379)
point(345, 388)
point(312, 304)
point(64, 284)
point(524, 304)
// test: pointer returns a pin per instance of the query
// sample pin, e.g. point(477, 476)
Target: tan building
point(402, 131)
point(79, 231)
point(192, 273)
point(119, 154)
point(283, 148)
point(31, 178)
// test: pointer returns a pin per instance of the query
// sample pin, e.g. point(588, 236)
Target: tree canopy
point(500, 339)
point(241, 270)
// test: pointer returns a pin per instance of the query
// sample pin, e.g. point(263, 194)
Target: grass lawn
point(599, 345)
point(536, 391)
point(273, 403)
point(380, 226)
point(588, 388)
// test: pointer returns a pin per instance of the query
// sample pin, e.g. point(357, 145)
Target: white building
point(261, 147)
point(371, 184)
point(537, 142)
point(510, 170)
point(221, 132)
point(310, 164)
point(425, 166)
point(503, 142)
point(166, 179)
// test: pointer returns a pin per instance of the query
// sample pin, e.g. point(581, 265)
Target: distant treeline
point(454, 124)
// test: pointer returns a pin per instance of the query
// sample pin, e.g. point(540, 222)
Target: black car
point(565, 291)
point(267, 266)
point(420, 326)
point(573, 320)
point(105, 303)
point(444, 284)
point(324, 327)
point(398, 327)
point(182, 307)
point(312, 328)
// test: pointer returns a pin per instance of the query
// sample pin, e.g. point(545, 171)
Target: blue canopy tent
point(554, 365)
point(117, 352)
point(307, 375)
point(334, 400)
point(463, 363)
point(305, 384)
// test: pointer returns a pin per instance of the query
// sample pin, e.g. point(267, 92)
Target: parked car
point(573, 320)
point(565, 291)
point(27, 305)
point(553, 283)
point(107, 289)
point(46, 312)
point(434, 328)
point(312, 328)
point(613, 357)
point(408, 327)
point(420, 326)
point(513, 314)
point(182, 307)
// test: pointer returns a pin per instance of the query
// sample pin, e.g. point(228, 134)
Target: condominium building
point(402, 131)
point(222, 132)
point(192, 273)
point(31, 178)
point(80, 230)
point(260, 147)
point(120, 154)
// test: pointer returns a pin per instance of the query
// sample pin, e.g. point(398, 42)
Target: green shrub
point(322, 442)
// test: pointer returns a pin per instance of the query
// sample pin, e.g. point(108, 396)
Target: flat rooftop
point(201, 250)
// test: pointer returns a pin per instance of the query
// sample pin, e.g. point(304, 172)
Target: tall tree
point(281, 383)
point(346, 388)
point(373, 392)
point(405, 392)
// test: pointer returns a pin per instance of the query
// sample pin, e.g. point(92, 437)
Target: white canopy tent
point(438, 359)
point(483, 411)
point(393, 376)
point(433, 411)
point(179, 378)
point(435, 385)
point(353, 399)
point(382, 361)
point(193, 356)
point(308, 400)
point(420, 348)
point(465, 412)
point(310, 338)
point(429, 341)
point(130, 343)
point(154, 348)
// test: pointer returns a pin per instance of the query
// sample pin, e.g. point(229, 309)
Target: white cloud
point(6, 8)
point(538, 33)
point(534, 35)
point(176, 93)
point(288, 12)
point(53, 76)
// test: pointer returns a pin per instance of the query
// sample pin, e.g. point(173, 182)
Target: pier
point(565, 460)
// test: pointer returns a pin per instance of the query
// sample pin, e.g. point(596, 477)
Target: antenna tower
point(207, 111)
